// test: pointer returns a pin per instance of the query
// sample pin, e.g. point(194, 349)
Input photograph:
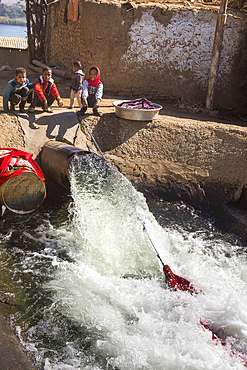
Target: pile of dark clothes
point(141, 103)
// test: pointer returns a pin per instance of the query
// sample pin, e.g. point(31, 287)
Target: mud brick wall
point(155, 50)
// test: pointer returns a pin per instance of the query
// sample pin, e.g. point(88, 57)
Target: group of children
point(43, 92)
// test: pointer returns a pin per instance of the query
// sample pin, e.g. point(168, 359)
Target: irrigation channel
point(89, 291)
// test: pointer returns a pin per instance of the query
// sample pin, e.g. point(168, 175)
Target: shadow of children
point(59, 124)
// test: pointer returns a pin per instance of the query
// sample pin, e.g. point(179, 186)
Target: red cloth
point(72, 10)
point(41, 92)
point(176, 282)
point(6, 157)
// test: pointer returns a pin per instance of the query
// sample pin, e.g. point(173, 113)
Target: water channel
point(88, 289)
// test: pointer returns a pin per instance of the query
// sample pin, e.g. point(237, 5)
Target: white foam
point(110, 286)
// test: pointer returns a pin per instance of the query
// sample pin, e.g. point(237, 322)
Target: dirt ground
point(11, 134)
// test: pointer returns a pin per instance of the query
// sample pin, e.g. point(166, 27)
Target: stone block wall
point(154, 50)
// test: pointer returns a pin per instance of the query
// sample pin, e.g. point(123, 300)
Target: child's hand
point(60, 103)
point(96, 105)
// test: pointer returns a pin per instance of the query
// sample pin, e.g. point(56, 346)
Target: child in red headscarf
point(92, 92)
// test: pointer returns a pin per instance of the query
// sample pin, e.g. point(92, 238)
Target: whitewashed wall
point(185, 44)
point(156, 51)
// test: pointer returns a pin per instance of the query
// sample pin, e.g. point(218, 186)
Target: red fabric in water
point(177, 282)
point(217, 340)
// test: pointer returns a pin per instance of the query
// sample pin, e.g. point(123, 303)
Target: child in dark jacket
point(45, 92)
point(92, 92)
point(18, 91)
point(76, 84)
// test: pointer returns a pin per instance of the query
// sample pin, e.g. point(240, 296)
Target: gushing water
point(90, 291)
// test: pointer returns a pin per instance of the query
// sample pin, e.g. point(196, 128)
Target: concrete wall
point(151, 50)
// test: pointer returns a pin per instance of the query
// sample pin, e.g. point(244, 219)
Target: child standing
point(18, 91)
point(45, 92)
point(92, 92)
point(76, 84)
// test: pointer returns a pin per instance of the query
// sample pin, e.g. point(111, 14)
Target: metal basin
point(136, 114)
